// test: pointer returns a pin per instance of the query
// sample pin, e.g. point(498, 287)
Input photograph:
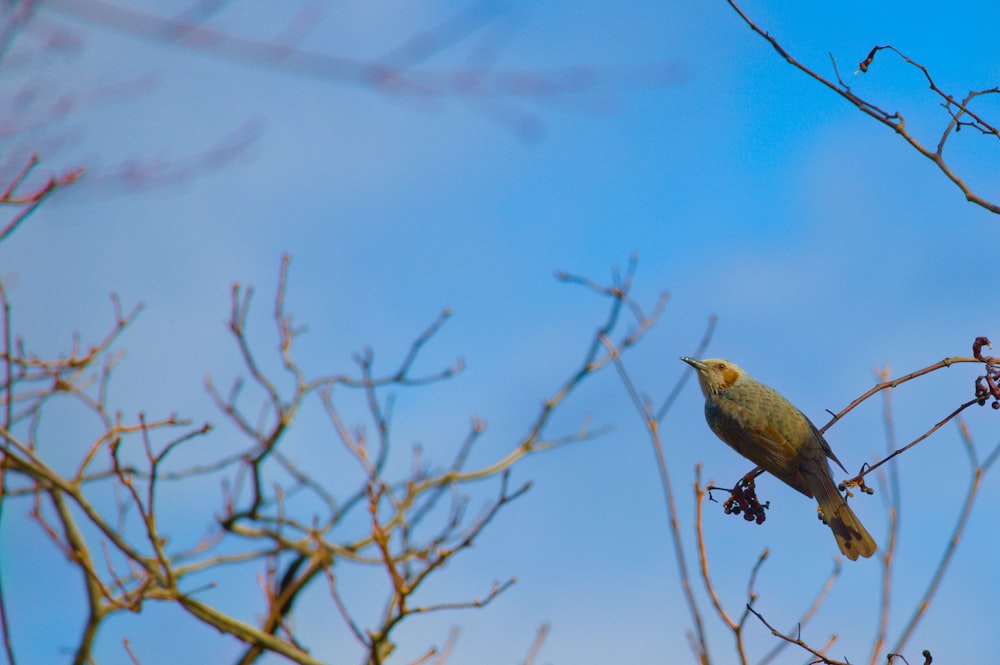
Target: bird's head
point(715, 374)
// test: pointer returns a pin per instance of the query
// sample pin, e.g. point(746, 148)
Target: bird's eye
point(721, 366)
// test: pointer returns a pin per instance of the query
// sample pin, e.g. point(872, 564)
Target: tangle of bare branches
point(959, 113)
point(414, 523)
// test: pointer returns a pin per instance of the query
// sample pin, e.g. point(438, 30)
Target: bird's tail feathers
point(852, 537)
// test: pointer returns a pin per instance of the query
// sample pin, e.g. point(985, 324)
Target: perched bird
point(760, 424)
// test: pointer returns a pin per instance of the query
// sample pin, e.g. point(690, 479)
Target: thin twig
point(821, 595)
point(688, 372)
point(975, 480)
point(893, 508)
point(8, 398)
point(652, 428)
point(536, 646)
point(895, 121)
point(820, 655)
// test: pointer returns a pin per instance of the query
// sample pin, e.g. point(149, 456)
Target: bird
point(756, 421)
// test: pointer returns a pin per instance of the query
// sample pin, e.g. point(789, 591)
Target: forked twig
point(895, 121)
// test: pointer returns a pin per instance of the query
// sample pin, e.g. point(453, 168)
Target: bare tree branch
point(956, 110)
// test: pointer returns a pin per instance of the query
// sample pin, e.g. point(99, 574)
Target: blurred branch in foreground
point(475, 37)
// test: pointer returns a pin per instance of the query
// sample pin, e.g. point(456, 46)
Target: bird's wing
point(766, 447)
point(760, 443)
point(825, 445)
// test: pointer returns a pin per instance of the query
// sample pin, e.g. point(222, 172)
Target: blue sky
point(825, 246)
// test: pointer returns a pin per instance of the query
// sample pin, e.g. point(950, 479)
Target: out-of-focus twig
point(699, 640)
point(27, 202)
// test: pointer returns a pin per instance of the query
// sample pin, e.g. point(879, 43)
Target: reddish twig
point(736, 627)
point(986, 386)
point(30, 201)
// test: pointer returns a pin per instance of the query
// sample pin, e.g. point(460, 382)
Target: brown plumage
point(760, 424)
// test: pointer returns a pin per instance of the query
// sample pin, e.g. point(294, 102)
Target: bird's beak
point(697, 364)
